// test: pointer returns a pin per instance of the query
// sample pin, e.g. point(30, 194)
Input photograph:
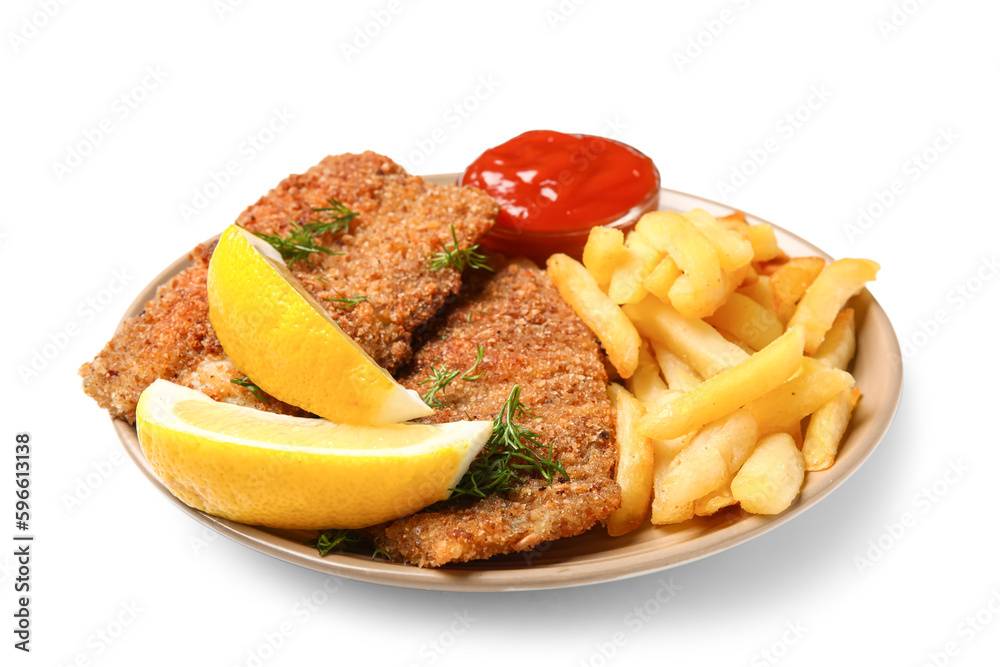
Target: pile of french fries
point(725, 346)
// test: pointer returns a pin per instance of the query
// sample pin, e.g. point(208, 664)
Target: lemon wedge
point(281, 337)
point(273, 470)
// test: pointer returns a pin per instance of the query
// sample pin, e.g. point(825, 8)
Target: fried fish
point(402, 220)
point(531, 338)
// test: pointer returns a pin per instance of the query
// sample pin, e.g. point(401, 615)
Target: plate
point(594, 557)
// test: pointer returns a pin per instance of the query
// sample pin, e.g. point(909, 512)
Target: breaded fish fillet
point(402, 220)
point(533, 339)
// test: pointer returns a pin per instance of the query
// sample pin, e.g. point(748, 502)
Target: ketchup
point(553, 187)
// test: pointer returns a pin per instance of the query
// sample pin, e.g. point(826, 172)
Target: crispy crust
point(402, 220)
point(532, 338)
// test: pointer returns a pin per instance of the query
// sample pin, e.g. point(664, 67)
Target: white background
point(881, 95)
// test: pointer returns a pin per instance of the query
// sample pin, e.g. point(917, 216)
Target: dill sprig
point(342, 540)
point(341, 301)
point(337, 218)
point(247, 383)
point(509, 453)
point(442, 377)
point(451, 255)
point(301, 241)
point(330, 540)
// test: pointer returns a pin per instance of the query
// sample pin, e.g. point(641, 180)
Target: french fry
point(674, 234)
point(626, 280)
point(739, 450)
point(662, 278)
point(826, 429)
point(734, 387)
point(747, 320)
point(771, 478)
point(714, 501)
point(782, 408)
point(759, 291)
point(694, 301)
point(707, 254)
point(694, 341)
point(736, 341)
point(790, 281)
point(770, 266)
point(664, 451)
point(645, 383)
point(837, 283)
point(579, 289)
point(763, 242)
point(634, 472)
point(734, 248)
point(736, 221)
point(678, 374)
point(604, 252)
point(838, 348)
point(702, 466)
point(743, 343)
point(795, 430)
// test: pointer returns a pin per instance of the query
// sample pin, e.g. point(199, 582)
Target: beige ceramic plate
point(595, 557)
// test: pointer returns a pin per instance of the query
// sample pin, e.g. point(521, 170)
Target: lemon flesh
point(273, 470)
point(281, 337)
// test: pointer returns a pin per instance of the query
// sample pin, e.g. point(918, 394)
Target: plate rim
point(530, 577)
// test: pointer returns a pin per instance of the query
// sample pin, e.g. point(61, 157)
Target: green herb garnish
point(451, 255)
point(381, 553)
point(337, 217)
point(509, 453)
point(345, 302)
point(442, 377)
point(247, 383)
point(330, 540)
point(301, 241)
point(342, 539)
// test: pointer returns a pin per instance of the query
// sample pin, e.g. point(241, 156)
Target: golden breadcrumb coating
point(533, 339)
point(401, 221)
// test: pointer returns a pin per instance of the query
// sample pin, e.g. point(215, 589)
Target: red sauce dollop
point(553, 187)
